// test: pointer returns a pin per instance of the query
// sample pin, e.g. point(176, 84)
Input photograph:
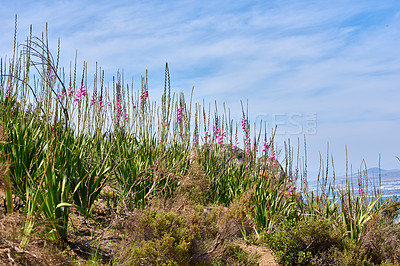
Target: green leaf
point(64, 204)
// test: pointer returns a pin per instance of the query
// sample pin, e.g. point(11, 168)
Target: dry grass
point(382, 238)
point(39, 251)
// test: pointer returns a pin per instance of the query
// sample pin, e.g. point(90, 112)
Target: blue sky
point(327, 69)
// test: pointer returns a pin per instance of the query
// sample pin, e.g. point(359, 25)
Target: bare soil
point(265, 255)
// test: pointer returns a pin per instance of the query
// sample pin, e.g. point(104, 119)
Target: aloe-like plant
point(68, 140)
point(355, 216)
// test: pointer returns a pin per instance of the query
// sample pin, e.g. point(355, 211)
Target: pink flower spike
point(7, 95)
point(59, 95)
point(274, 163)
point(266, 146)
point(70, 91)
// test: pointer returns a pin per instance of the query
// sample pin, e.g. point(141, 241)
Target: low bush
point(159, 238)
point(382, 234)
point(316, 241)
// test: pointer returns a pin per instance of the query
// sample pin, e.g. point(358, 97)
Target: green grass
point(66, 140)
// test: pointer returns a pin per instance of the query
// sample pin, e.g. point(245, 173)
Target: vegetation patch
point(95, 174)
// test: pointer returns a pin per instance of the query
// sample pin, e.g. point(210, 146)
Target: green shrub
point(284, 245)
point(313, 242)
point(164, 239)
point(389, 263)
point(349, 254)
point(382, 235)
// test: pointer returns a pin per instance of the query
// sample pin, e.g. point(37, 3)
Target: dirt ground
point(266, 258)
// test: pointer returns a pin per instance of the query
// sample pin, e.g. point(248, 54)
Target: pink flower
point(244, 122)
point(266, 146)
point(119, 109)
point(272, 156)
point(179, 115)
point(144, 96)
point(82, 91)
point(236, 143)
point(247, 143)
point(70, 91)
point(6, 95)
point(220, 138)
point(216, 130)
point(292, 188)
point(206, 135)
